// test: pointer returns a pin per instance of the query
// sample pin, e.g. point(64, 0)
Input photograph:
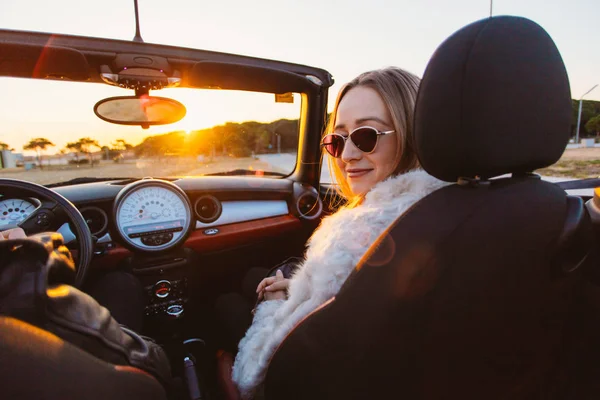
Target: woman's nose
point(350, 152)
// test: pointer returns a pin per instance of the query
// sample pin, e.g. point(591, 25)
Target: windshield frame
point(95, 52)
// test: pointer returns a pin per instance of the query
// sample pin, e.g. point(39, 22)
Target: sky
point(344, 37)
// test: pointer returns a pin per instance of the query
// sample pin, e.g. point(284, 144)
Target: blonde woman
point(370, 143)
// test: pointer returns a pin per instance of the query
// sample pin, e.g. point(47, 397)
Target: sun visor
point(232, 76)
point(42, 62)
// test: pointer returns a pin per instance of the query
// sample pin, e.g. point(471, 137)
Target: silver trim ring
point(104, 226)
point(319, 204)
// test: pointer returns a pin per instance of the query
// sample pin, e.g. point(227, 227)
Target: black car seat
point(469, 294)
point(36, 364)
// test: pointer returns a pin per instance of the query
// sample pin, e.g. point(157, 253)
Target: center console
point(166, 298)
point(168, 279)
point(165, 281)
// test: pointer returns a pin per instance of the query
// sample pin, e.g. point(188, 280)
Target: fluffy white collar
point(333, 251)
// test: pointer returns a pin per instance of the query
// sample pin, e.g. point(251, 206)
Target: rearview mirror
point(143, 110)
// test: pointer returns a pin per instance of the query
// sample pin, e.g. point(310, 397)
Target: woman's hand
point(16, 233)
point(273, 287)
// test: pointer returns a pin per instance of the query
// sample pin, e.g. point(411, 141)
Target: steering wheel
point(51, 214)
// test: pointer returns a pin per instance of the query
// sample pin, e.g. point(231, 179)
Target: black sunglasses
point(364, 138)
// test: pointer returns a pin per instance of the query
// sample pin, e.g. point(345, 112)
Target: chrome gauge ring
point(152, 215)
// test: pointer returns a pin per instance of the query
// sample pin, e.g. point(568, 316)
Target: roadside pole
point(579, 114)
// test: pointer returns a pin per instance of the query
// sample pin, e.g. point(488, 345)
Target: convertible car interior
point(484, 290)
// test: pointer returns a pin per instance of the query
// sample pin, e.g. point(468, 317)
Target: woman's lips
point(356, 173)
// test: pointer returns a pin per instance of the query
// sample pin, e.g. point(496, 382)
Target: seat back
point(38, 365)
point(469, 294)
point(476, 307)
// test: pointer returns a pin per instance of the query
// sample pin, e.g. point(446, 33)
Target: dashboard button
point(43, 219)
point(175, 310)
point(162, 289)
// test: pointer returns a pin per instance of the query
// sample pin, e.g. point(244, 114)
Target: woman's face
point(363, 106)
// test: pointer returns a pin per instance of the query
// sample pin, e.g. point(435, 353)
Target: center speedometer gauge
point(152, 215)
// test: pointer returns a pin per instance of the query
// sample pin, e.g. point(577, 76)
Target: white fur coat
point(333, 251)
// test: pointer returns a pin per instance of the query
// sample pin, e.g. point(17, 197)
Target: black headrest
point(494, 99)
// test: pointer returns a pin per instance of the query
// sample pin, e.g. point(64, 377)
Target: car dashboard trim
point(233, 212)
point(247, 210)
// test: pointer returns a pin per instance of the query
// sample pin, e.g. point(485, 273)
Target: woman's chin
point(360, 188)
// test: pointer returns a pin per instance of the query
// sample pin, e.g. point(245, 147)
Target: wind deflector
point(43, 62)
point(232, 76)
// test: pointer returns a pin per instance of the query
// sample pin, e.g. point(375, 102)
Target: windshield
point(50, 134)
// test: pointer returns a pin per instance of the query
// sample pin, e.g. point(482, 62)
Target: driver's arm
point(16, 233)
point(73, 315)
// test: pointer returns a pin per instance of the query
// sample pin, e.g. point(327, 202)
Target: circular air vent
point(208, 209)
point(309, 206)
point(96, 220)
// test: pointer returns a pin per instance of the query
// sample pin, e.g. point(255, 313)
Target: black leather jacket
point(35, 277)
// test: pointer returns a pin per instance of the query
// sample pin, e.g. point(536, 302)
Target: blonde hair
point(398, 89)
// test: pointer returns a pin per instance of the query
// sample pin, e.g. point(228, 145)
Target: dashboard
point(185, 240)
point(160, 229)
point(152, 216)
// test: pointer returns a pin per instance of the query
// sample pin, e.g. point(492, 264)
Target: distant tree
point(589, 109)
point(74, 147)
point(61, 153)
point(121, 145)
point(106, 151)
point(38, 145)
point(117, 148)
point(172, 143)
point(4, 146)
point(288, 130)
point(86, 144)
point(232, 138)
point(262, 140)
point(593, 125)
point(204, 141)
